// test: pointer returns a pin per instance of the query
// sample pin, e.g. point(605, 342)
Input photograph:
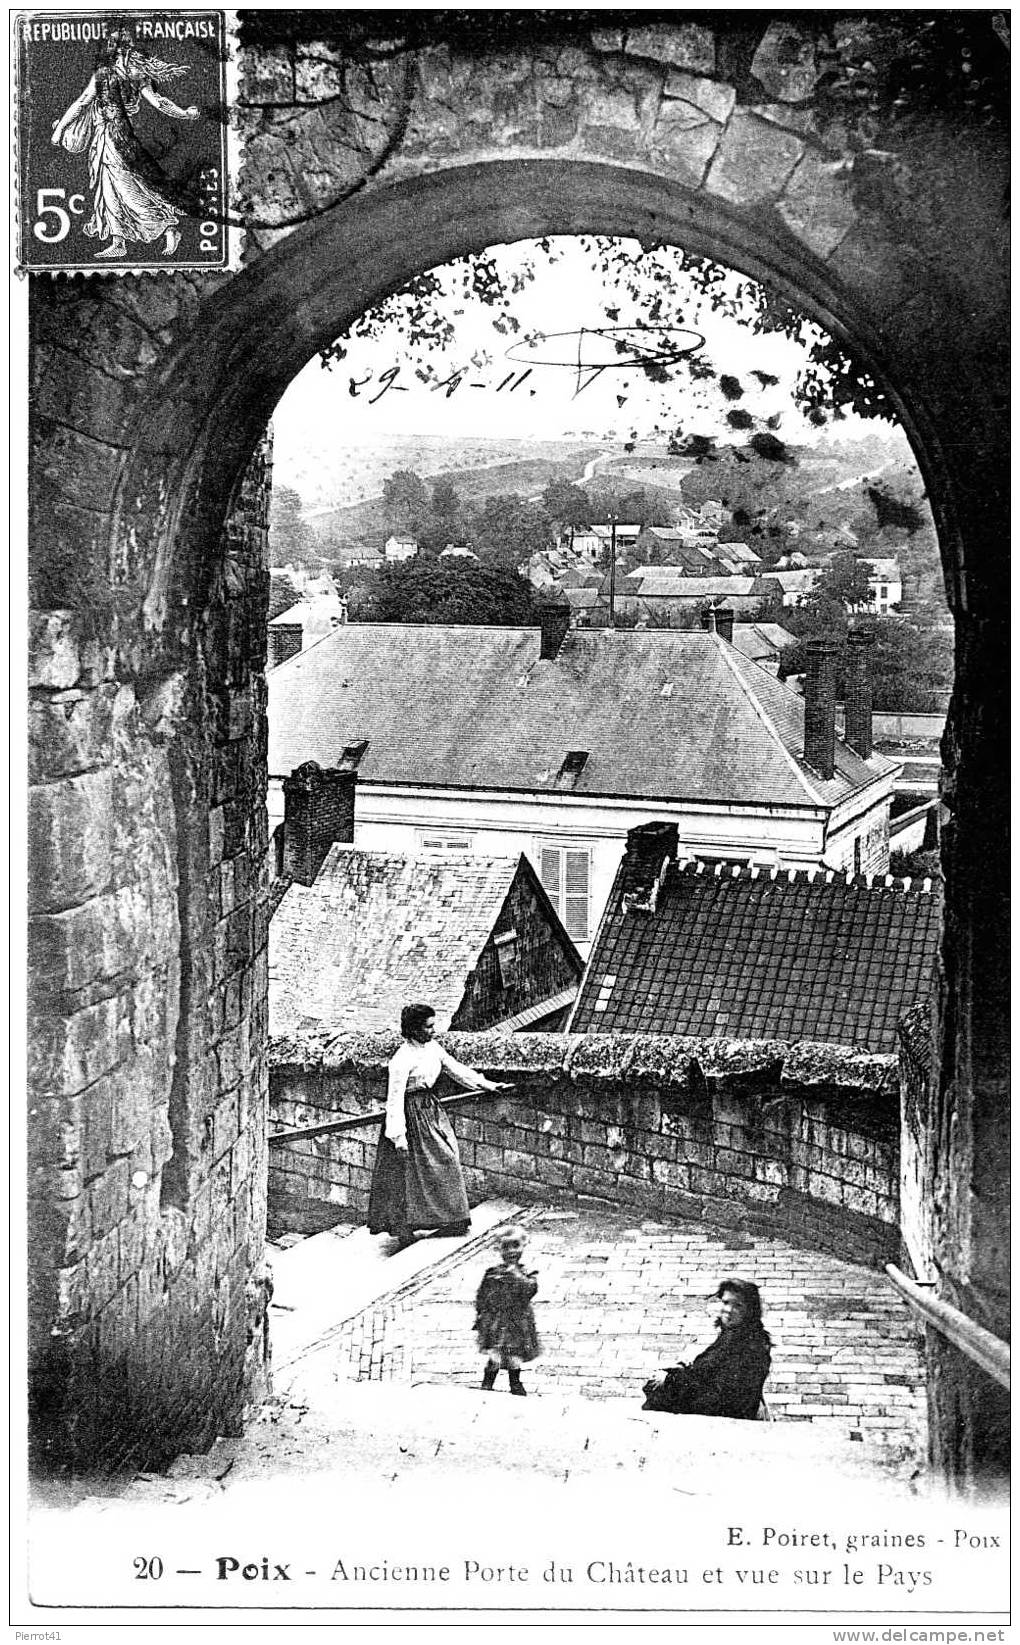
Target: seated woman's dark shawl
point(725, 1381)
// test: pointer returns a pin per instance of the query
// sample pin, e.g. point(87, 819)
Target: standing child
point(504, 1321)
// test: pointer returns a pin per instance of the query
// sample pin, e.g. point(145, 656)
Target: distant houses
point(885, 581)
point(400, 548)
point(554, 744)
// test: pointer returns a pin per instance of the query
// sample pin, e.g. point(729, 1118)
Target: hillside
point(334, 476)
point(863, 493)
point(489, 469)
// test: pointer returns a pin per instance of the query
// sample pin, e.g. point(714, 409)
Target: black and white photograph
point(512, 515)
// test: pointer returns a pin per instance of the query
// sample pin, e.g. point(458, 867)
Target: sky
point(577, 313)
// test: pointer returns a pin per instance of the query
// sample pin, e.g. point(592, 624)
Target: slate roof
point(376, 930)
point(793, 582)
point(660, 713)
point(663, 581)
point(760, 954)
point(757, 640)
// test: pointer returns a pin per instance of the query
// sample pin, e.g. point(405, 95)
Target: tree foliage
point(289, 535)
point(424, 591)
point(508, 529)
point(845, 579)
point(405, 500)
point(911, 668)
point(568, 505)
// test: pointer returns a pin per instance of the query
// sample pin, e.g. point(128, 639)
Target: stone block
point(83, 470)
point(676, 1203)
point(69, 733)
point(769, 1170)
point(668, 1175)
point(754, 160)
point(81, 396)
point(710, 98)
point(68, 1054)
point(69, 951)
point(53, 650)
point(60, 1228)
point(102, 1264)
point(684, 45)
point(785, 64)
point(553, 1172)
point(69, 841)
point(72, 1292)
point(131, 1248)
point(684, 142)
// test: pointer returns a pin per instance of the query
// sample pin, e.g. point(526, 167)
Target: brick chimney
point(820, 707)
point(858, 691)
point(708, 619)
point(284, 640)
point(554, 621)
point(724, 623)
point(318, 811)
point(649, 848)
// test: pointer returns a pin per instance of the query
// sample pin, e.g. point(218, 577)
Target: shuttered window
point(565, 872)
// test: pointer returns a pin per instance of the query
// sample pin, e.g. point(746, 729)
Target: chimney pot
point(318, 811)
point(820, 707)
point(859, 692)
point(554, 621)
point(724, 623)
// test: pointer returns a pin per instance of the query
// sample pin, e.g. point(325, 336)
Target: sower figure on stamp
point(418, 1184)
point(504, 1321)
point(130, 192)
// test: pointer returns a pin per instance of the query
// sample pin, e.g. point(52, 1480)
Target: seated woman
point(727, 1379)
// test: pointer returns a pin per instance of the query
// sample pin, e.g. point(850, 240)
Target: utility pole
point(612, 570)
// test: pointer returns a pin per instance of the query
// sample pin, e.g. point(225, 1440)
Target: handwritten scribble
point(590, 352)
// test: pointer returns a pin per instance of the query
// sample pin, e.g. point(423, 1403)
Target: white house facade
point(471, 739)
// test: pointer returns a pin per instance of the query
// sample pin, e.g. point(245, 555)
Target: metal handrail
point(983, 1347)
point(378, 1114)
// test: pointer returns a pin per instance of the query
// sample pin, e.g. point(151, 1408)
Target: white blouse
point(416, 1067)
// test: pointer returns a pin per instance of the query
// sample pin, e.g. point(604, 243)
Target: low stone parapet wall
point(801, 1140)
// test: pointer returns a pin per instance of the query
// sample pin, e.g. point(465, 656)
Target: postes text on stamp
point(122, 140)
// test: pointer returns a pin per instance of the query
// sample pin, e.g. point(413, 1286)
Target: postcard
point(515, 533)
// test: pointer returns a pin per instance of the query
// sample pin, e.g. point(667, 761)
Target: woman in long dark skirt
point(418, 1184)
point(728, 1378)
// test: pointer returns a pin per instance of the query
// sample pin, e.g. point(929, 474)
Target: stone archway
point(149, 402)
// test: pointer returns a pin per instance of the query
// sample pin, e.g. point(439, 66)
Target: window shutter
point(549, 872)
point(575, 898)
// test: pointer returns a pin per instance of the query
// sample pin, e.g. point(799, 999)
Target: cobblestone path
point(619, 1298)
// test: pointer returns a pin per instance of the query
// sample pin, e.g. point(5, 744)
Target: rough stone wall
point(147, 1028)
point(546, 965)
point(797, 1140)
point(969, 1412)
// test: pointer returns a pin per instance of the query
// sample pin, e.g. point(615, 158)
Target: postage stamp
point(122, 140)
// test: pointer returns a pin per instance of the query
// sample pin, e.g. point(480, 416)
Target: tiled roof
point(760, 954)
point(376, 930)
point(661, 714)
